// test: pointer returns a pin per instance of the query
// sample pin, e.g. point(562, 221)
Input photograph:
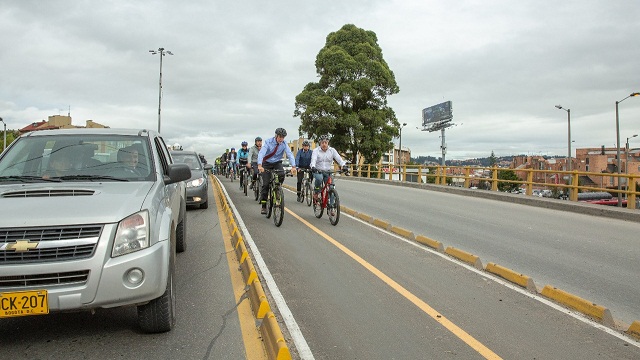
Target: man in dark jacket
point(303, 161)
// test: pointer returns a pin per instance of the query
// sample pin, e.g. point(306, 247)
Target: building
point(58, 122)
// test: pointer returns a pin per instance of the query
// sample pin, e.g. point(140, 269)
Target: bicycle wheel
point(308, 193)
point(317, 207)
point(269, 202)
point(245, 182)
point(333, 207)
point(278, 206)
point(257, 185)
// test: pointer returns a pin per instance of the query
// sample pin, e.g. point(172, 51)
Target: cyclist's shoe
point(299, 198)
point(263, 211)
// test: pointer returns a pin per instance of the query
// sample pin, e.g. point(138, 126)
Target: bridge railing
point(567, 182)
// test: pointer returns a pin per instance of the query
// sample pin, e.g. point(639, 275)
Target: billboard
point(437, 116)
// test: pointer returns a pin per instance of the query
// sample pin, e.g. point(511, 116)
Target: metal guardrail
point(467, 176)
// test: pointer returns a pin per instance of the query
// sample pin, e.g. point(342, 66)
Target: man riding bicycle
point(322, 159)
point(303, 159)
point(253, 159)
point(243, 160)
point(232, 160)
point(270, 158)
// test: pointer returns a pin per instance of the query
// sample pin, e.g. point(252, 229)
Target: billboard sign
point(437, 116)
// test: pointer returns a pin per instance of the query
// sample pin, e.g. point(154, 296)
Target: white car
point(286, 165)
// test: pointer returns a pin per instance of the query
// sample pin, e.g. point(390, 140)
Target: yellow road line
point(254, 348)
point(453, 328)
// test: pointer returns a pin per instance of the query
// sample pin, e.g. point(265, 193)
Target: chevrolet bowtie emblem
point(22, 245)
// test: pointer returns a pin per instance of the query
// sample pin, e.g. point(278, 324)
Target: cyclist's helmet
point(258, 139)
point(233, 149)
point(244, 143)
point(282, 132)
point(323, 138)
point(305, 143)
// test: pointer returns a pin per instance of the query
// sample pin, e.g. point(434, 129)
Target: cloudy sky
point(239, 65)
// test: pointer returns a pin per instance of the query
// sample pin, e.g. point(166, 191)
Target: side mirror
point(177, 173)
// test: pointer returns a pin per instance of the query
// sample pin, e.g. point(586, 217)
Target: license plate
point(23, 303)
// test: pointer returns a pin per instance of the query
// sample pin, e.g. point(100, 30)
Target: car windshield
point(190, 159)
point(78, 157)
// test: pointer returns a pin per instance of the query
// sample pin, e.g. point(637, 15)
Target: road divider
point(259, 302)
point(464, 256)
point(434, 244)
point(508, 274)
point(347, 210)
point(273, 339)
point(634, 330)
point(381, 224)
point(364, 217)
point(602, 314)
point(402, 232)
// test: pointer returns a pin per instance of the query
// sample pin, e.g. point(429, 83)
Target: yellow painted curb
point(430, 242)
point(634, 329)
point(586, 307)
point(258, 299)
point(512, 276)
point(381, 224)
point(346, 210)
point(402, 232)
point(273, 339)
point(364, 217)
point(464, 256)
point(241, 252)
point(248, 271)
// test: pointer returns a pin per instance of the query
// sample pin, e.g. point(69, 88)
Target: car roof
point(92, 131)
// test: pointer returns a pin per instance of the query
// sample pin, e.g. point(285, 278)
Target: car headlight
point(132, 234)
point(195, 183)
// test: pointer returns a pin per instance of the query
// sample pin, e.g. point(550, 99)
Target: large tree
point(349, 102)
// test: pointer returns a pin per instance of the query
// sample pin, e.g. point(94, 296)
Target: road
point(360, 293)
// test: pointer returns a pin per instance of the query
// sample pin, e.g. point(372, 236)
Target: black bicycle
point(306, 188)
point(275, 197)
point(244, 175)
point(257, 185)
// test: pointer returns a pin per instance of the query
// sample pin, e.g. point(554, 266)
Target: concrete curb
point(364, 217)
point(259, 302)
point(634, 330)
point(381, 224)
point(273, 338)
point(402, 232)
point(577, 303)
point(512, 276)
point(434, 244)
point(464, 256)
point(347, 210)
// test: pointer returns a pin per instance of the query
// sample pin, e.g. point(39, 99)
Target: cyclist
point(321, 160)
point(303, 160)
point(253, 159)
point(217, 168)
point(270, 158)
point(223, 161)
point(243, 160)
point(232, 158)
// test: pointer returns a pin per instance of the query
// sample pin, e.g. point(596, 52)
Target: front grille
point(53, 244)
point(40, 280)
point(47, 193)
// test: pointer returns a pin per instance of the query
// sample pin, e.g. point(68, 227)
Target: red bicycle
point(328, 199)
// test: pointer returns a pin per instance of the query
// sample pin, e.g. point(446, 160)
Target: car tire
point(204, 205)
point(158, 315)
point(181, 235)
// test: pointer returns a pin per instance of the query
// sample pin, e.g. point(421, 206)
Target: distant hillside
point(485, 162)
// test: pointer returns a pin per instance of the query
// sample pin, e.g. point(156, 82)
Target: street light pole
point(162, 53)
point(626, 167)
point(401, 156)
point(618, 146)
point(4, 140)
point(569, 136)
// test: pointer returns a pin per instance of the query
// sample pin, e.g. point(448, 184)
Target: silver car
point(93, 219)
point(198, 183)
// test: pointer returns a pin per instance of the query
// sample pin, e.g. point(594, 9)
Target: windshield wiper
point(91, 177)
point(27, 179)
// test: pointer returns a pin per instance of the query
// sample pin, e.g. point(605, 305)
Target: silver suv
point(92, 218)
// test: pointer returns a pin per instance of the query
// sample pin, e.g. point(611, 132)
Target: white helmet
point(177, 146)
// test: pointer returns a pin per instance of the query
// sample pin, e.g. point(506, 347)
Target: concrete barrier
point(402, 232)
point(258, 299)
point(273, 339)
point(512, 276)
point(464, 256)
point(241, 252)
point(346, 210)
point(634, 330)
point(364, 217)
point(249, 273)
point(381, 224)
point(598, 312)
point(434, 244)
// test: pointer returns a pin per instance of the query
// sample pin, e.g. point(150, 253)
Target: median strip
point(464, 256)
point(508, 274)
point(577, 303)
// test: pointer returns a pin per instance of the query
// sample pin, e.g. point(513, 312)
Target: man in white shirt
point(322, 160)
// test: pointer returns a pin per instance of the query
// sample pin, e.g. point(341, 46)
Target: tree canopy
point(349, 102)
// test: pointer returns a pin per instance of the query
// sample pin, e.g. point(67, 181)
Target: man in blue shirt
point(303, 160)
point(270, 158)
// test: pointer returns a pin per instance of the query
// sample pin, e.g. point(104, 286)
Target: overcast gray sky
point(239, 65)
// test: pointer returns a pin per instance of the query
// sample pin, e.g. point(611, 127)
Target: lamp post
point(618, 145)
point(401, 156)
point(162, 53)
point(569, 136)
point(4, 140)
point(626, 167)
